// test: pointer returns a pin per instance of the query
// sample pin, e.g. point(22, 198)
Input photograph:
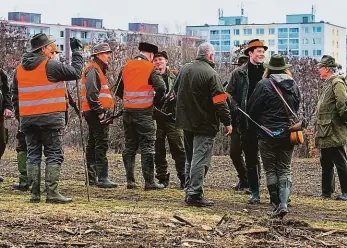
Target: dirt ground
point(137, 218)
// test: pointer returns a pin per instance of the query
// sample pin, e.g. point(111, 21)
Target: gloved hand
point(75, 44)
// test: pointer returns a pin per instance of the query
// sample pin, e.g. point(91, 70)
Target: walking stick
point(79, 102)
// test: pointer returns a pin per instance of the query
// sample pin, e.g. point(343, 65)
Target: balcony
point(214, 37)
point(226, 48)
point(283, 47)
point(226, 37)
point(282, 35)
point(293, 46)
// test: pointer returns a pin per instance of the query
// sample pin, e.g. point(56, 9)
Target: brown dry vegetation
point(136, 218)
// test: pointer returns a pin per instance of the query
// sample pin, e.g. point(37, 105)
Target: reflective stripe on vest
point(137, 92)
point(105, 97)
point(36, 94)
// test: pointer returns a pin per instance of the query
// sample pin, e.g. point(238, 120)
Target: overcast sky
point(174, 15)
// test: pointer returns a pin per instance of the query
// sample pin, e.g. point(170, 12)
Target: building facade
point(300, 36)
point(90, 32)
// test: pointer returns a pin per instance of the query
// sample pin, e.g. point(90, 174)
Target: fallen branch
point(183, 220)
point(223, 219)
point(316, 240)
point(252, 231)
point(326, 234)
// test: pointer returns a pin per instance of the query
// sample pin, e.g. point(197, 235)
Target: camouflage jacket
point(331, 114)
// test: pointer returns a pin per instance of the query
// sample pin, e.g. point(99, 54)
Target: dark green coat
point(331, 114)
point(197, 85)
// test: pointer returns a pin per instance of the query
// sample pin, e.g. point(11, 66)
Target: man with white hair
point(201, 106)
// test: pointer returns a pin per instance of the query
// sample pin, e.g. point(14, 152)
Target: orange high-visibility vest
point(37, 95)
point(105, 96)
point(137, 92)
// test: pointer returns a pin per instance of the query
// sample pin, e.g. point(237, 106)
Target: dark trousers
point(50, 141)
point(198, 160)
point(21, 143)
point(330, 157)
point(236, 155)
point(175, 140)
point(97, 146)
point(276, 157)
point(139, 132)
point(250, 148)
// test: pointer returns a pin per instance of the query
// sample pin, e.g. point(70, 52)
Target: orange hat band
point(256, 44)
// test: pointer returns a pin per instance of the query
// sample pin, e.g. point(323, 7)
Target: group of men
point(186, 108)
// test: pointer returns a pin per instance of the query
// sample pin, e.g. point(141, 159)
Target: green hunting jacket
point(331, 113)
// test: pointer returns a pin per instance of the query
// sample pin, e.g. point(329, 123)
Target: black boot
point(1, 179)
point(198, 201)
point(147, 164)
point(34, 180)
point(164, 179)
point(253, 181)
point(182, 178)
point(129, 165)
point(284, 193)
point(274, 198)
point(103, 180)
point(241, 185)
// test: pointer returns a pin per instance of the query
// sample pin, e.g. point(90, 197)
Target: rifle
point(267, 131)
point(157, 115)
point(72, 102)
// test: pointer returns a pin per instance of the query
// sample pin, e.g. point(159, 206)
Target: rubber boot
point(164, 179)
point(147, 164)
point(284, 189)
point(52, 182)
point(274, 198)
point(22, 168)
point(129, 165)
point(103, 180)
point(34, 180)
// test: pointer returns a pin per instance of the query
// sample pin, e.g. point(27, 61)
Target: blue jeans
point(50, 141)
point(198, 160)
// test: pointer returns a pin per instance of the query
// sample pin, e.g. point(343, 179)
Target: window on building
point(282, 41)
point(246, 41)
point(271, 31)
point(61, 34)
point(272, 53)
point(215, 43)
point(41, 30)
point(283, 30)
point(304, 52)
point(306, 30)
point(337, 44)
point(260, 31)
point(225, 31)
point(62, 48)
point(294, 30)
point(238, 21)
point(247, 31)
point(333, 31)
point(305, 41)
point(84, 35)
point(98, 24)
point(316, 29)
point(236, 42)
point(316, 41)
point(214, 32)
point(305, 19)
point(317, 52)
point(236, 31)
point(293, 41)
point(226, 43)
point(271, 42)
point(295, 52)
